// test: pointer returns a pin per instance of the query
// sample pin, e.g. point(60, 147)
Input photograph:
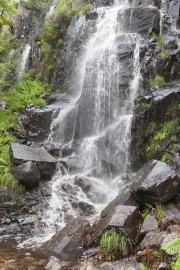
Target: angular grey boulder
point(44, 161)
point(27, 174)
point(156, 182)
point(69, 239)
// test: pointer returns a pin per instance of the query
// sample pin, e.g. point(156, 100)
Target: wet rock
point(91, 15)
point(53, 148)
point(83, 182)
point(43, 160)
point(71, 237)
point(27, 174)
point(38, 122)
point(155, 111)
point(149, 224)
point(144, 3)
point(141, 20)
point(86, 208)
point(152, 240)
point(164, 266)
point(156, 182)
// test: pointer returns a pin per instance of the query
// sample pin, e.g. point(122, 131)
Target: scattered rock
point(152, 240)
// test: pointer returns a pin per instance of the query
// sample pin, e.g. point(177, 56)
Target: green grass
point(113, 242)
point(157, 81)
point(145, 212)
point(160, 213)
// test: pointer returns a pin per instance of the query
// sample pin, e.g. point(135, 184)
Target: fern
point(176, 265)
point(172, 247)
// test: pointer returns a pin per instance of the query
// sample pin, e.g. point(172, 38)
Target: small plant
point(154, 36)
point(173, 247)
point(166, 156)
point(164, 54)
point(141, 106)
point(113, 242)
point(160, 213)
point(160, 43)
point(146, 212)
point(157, 81)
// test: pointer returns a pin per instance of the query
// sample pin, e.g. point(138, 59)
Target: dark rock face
point(71, 237)
point(141, 20)
point(155, 182)
point(43, 160)
point(27, 174)
point(91, 15)
point(157, 109)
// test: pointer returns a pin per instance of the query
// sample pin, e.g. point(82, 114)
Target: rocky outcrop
point(39, 156)
point(150, 114)
point(141, 20)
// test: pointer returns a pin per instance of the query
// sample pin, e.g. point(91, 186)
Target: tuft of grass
point(112, 242)
point(157, 81)
point(160, 213)
point(164, 54)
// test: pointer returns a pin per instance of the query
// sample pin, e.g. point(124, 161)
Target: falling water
point(24, 60)
point(100, 121)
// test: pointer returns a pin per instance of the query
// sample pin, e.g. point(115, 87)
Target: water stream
point(100, 124)
point(24, 60)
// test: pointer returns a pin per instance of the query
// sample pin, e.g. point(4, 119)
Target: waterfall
point(24, 59)
point(99, 119)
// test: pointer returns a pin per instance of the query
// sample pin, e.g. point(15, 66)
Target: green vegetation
point(154, 36)
point(146, 212)
point(50, 40)
point(173, 247)
point(141, 106)
point(160, 43)
point(164, 54)
point(157, 81)
point(160, 213)
point(7, 11)
point(111, 243)
point(36, 5)
point(166, 156)
point(28, 91)
point(161, 134)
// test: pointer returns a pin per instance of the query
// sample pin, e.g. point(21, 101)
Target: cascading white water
point(24, 60)
point(103, 125)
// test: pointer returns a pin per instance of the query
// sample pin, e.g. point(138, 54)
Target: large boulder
point(121, 214)
point(43, 160)
point(69, 239)
point(27, 174)
point(156, 182)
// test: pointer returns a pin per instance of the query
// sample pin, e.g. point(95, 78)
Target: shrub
point(173, 247)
